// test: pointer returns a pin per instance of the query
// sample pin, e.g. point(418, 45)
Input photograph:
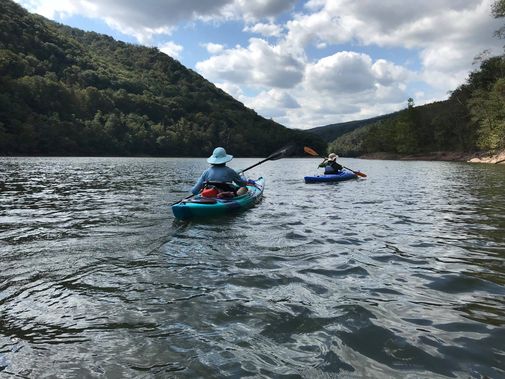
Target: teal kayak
point(205, 207)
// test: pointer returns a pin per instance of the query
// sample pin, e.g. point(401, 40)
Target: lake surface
point(399, 275)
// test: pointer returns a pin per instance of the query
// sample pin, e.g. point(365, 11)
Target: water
point(399, 275)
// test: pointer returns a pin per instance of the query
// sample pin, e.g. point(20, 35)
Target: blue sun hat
point(219, 156)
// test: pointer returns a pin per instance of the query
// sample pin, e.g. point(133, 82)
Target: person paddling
point(330, 164)
point(219, 176)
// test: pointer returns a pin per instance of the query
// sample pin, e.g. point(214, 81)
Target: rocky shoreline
point(452, 156)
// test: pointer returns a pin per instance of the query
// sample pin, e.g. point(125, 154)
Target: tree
point(488, 112)
point(63, 87)
point(498, 11)
point(410, 103)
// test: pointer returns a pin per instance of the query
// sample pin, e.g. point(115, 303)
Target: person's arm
point(238, 179)
point(322, 164)
point(199, 184)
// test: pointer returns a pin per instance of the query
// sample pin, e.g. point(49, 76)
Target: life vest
point(332, 168)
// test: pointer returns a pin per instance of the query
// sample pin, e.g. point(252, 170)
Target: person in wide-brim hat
point(219, 156)
point(330, 164)
point(221, 176)
point(332, 157)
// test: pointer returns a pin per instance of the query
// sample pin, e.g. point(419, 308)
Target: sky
point(304, 63)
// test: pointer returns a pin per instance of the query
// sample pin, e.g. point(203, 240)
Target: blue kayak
point(341, 176)
point(206, 207)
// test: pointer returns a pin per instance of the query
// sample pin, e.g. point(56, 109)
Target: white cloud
point(273, 103)
point(148, 18)
point(267, 30)
point(213, 48)
point(438, 37)
point(257, 9)
point(448, 33)
point(346, 72)
point(258, 64)
point(140, 19)
point(341, 87)
point(171, 49)
point(348, 85)
point(231, 89)
point(387, 73)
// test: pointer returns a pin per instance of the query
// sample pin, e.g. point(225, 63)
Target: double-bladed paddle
point(314, 153)
point(272, 157)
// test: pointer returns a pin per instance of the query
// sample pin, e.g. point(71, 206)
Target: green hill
point(333, 131)
point(64, 91)
point(471, 119)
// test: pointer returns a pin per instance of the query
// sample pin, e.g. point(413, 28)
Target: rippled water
point(399, 275)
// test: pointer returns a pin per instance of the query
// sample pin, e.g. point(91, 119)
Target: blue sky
point(304, 63)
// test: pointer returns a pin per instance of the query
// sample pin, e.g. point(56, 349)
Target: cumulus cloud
point(171, 49)
point(232, 89)
point(387, 73)
point(341, 87)
point(213, 48)
point(273, 103)
point(349, 85)
point(258, 64)
point(394, 22)
point(349, 72)
point(342, 72)
point(258, 9)
point(267, 30)
point(441, 36)
point(146, 19)
point(142, 20)
point(448, 33)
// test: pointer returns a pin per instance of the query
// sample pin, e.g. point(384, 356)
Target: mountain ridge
point(331, 132)
point(70, 92)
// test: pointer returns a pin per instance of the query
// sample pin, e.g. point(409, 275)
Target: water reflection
point(400, 274)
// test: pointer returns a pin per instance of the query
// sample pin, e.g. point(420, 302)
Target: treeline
point(473, 118)
point(64, 91)
point(333, 131)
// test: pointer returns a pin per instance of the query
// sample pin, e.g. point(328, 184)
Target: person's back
point(330, 165)
point(218, 172)
point(332, 168)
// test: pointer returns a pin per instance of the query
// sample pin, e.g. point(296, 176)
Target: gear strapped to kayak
point(254, 190)
point(204, 207)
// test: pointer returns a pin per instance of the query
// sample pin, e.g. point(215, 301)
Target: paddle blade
point(360, 174)
point(310, 151)
point(272, 157)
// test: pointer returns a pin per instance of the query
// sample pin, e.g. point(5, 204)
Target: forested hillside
point(472, 119)
point(333, 131)
point(64, 91)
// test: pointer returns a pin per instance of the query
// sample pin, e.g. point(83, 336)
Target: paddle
point(272, 157)
point(314, 153)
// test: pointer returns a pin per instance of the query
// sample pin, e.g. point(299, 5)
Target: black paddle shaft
point(257, 164)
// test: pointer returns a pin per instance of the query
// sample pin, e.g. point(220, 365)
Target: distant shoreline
point(450, 156)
